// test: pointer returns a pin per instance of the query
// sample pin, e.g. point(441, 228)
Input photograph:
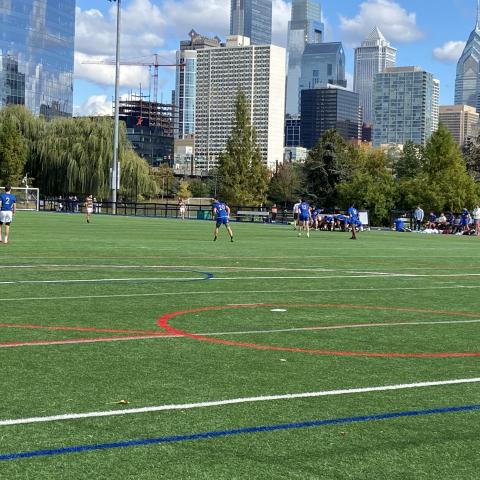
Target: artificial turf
point(385, 293)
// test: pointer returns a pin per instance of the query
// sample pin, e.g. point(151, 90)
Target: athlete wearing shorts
point(8, 208)
point(222, 214)
point(304, 216)
point(89, 208)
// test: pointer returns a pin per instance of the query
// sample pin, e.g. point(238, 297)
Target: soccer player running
point(89, 207)
point(222, 213)
point(354, 220)
point(8, 208)
point(304, 215)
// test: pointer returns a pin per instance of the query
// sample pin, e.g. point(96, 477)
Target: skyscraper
point(252, 19)
point(304, 28)
point(461, 121)
point(36, 55)
point(256, 70)
point(323, 64)
point(405, 102)
point(329, 108)
point(374, 56)
point(185, 81)
point(467, 83)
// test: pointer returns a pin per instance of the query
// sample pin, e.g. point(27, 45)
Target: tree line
point(439, 176)
point(68, 155)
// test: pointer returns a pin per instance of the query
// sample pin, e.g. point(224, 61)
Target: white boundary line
point(233, 401)
point(241, 293)
point(218, 279)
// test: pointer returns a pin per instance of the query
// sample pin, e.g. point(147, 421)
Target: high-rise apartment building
point(467, 83)
point(185, 81)
point(252, 19)
point(372, 57)
point(329, 108)
point(256, 70)
point(36, 55)
point(323, 64)
point(305, 27)
point(405, 102)
point(461, 121)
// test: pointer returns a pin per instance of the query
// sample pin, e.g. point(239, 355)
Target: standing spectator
point(465, 220)
point(273, 213)
point(418, 216)
point(476, 218)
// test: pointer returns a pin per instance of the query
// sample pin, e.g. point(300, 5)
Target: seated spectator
point(432, 221)
point(442, 222)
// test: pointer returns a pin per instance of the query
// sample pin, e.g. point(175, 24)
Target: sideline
point(265, 398)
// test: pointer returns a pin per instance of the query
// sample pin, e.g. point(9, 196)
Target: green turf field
point(258, 324)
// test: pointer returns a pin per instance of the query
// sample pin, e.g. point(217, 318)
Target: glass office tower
point(252, 19)
point(304, 28)
point(467, 83)
point(36, 55)
point(323, 64)
point(405, 106)
point(372, 57)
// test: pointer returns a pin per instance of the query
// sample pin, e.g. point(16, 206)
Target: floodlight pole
point(115, 179)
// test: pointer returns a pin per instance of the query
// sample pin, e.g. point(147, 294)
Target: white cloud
point(94, 106)
point(450, 51)
point(396, 23)
point(130, 77)
point(349, 78)
point(281, 14)
point(205, 16)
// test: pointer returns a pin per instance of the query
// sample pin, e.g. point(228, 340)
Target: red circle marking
point(163, 322)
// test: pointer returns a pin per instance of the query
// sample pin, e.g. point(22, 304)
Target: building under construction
point(150, 128)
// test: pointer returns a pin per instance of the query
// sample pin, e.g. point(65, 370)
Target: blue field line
point(238, 431)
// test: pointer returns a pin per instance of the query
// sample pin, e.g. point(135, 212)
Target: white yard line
point(233, 401)
point(241, 293)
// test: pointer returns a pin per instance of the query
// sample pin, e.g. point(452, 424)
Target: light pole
point(115, 179)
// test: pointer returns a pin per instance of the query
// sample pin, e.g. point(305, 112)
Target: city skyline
point(432, 39)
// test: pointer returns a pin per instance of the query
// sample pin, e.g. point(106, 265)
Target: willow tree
point(13, 152)
point(75, 156)
point(244, 176)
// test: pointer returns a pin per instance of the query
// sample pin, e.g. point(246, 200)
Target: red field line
point(81, 329)
point(163, 322)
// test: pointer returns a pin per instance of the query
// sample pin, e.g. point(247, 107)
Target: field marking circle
point(163, 323)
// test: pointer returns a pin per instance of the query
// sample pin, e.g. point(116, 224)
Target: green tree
point(244, 176)
point(328, 163)
point(286, 184)
point(471, 155)
point(13, 152)
point(199, 188)
point(446, 173)
point(184, 190)
point(409, 162)
point(372, 186)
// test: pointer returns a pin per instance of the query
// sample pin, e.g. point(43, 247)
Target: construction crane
point(155, 64)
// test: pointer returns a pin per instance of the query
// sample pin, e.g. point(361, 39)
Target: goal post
point(26, 198)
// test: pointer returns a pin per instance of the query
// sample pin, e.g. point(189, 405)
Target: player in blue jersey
point(354, 220)
point(8, 207)
point(304, 216)
point(222, 214)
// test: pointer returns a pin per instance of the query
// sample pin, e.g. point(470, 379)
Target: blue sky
point(426, 33)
